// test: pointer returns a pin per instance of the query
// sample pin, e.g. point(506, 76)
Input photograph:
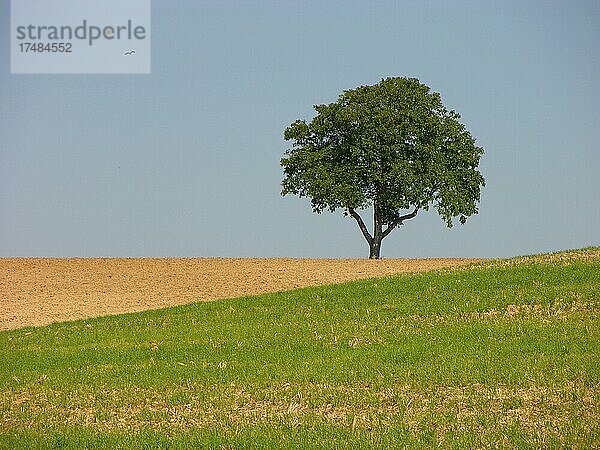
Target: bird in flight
point(131, 52)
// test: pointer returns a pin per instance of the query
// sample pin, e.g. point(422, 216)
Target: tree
point(392, 147)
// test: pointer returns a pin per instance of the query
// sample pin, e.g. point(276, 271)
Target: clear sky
point(185, 161)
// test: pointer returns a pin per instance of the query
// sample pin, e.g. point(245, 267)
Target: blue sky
point(185, 161)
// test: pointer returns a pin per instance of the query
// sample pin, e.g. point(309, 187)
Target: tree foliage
point(392, 146)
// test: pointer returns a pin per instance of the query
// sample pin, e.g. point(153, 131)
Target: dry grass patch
point(542, 410)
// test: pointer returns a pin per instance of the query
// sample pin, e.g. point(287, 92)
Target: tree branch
point(361, 225)
point(399, 221)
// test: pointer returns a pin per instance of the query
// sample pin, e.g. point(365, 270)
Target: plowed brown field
point(39, 291)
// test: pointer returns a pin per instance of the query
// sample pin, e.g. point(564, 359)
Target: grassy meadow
point(505, 353)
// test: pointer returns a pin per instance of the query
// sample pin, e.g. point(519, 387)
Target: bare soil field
point(40, 291)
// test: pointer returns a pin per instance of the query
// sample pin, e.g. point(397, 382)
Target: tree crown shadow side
point(392, 146)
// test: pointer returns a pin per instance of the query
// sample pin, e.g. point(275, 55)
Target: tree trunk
point(378, 232)
point(374, 241)
point(375, 249)
point(375, 244)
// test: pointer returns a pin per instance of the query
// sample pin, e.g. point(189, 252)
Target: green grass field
point(503, 354)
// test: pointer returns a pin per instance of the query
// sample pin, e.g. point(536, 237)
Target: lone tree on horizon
point(392, 147)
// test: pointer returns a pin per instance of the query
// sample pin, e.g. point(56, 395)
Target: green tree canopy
point(392, 146)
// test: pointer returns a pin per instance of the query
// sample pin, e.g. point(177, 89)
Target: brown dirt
point(39, 291)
